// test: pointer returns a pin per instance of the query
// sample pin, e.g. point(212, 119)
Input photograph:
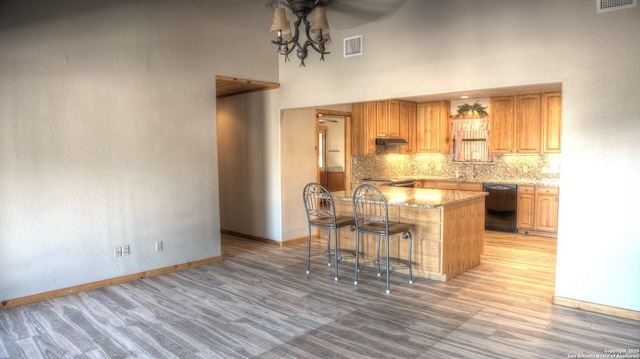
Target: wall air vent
point(610, 5)
point(353, 46)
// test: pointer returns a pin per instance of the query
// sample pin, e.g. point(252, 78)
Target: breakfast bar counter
point(447, 228)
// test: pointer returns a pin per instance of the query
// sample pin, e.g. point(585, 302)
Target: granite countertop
point(547, 182)
point(416, 197)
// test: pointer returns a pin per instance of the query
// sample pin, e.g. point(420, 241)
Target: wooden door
point(501, 124)
point(551, 122)
point(528, 124)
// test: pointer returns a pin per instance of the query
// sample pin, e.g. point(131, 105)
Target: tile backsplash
point(503, 167)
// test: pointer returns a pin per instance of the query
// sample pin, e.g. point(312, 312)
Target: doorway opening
point(333, 151)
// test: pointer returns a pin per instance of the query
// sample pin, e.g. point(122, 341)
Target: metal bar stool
point(321, 213)
point(372, 217)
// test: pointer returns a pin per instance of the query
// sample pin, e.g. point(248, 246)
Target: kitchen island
point(447, 228)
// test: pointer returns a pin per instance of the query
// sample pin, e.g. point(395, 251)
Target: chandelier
point(316, 32)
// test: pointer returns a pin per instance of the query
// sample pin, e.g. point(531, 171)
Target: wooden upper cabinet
point(433, 127)
point(551, 122)
point(407, 126)
point(382, 118)
point(446, 128)
point(528, 126)
point(363, 128)
point(387, 118)
point(358, 130)
point(502, 124)
point(393, 118)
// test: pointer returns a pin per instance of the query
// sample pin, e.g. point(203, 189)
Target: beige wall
point(108, 135)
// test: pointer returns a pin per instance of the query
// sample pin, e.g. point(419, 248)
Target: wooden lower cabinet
point(538, 209)
point(526, 208)
point(547, 209)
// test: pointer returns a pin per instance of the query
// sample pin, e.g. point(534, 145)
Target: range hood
point(385, 141)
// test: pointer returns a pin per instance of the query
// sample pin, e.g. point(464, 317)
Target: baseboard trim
point(597, 308)
point(266, 240)
point(104, 283)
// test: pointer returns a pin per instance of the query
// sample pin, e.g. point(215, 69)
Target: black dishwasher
point(501, 208)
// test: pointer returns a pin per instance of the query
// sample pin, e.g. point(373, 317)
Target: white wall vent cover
point(609, 5)
point(353, 46)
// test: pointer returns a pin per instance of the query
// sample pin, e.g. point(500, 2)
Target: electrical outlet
point(159, 246)
point(118, 252)
point(525, 169)
point(126, 250)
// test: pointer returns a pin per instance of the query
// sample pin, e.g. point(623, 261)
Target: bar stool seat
point(321, 213)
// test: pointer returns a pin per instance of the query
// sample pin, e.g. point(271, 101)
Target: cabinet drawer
point(429, 184)
point(475, 187)
point(526, 189)
point(548, 190)
point(447, 185)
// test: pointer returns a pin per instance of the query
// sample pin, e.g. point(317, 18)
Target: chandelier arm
point(318, 49)
point(310, 41)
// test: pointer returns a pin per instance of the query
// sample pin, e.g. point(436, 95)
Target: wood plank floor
point(259, 303)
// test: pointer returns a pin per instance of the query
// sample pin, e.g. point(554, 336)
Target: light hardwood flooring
point(260, 303)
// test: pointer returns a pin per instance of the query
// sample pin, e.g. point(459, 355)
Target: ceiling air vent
point(610, 5)
point(353, 46)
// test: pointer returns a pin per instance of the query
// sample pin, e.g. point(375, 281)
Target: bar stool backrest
point(318, 203)
point(370, 206)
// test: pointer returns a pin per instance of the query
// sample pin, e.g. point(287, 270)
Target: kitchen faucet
point(474, 172)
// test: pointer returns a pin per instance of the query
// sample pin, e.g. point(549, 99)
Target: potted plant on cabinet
point(463, 110)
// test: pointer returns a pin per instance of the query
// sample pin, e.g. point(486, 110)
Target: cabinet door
point(547, 209)
point(382, 118)
point(358, 130)
point(501, 124)
point(370, 122)
point(551, 122)
point(393, 118)
point(428, 127)
point(407, 126)
point(363, 139)
point(526, 207)
point(446, 128)
point(528, 124)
